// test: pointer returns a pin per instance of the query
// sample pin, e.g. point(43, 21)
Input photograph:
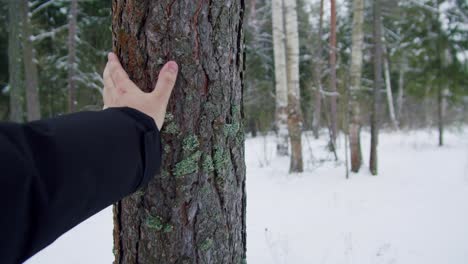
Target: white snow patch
point(414, 212)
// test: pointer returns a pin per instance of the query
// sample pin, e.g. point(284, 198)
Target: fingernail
point(111, 56)
point(172, 67)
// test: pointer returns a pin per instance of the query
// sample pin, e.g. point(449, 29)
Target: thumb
point(166, 81)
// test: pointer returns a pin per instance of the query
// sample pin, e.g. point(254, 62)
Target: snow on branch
point(427, 7)
point(327, 93)
point(49, 34)
point(41, 7)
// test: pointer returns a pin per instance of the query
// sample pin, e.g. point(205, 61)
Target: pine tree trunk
point(294, 96)
point(30, 68)
point(14, 62)
point(318, 77)
point(72, 33)
point(281, 79)
point(378, 84)
point(355, 87)
point(333, 90)
point(194, 211)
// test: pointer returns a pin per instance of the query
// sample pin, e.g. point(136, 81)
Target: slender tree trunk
point(333, 97)
point(72, 65)
point(281, 77)
point(318, 77)
point(194, 212)
point(388, 85)
point(355, 87)
point(441, 105)
point(14, 62)
point(30, 68)
point(378, 84)
point(294, 95)
point(401, 89)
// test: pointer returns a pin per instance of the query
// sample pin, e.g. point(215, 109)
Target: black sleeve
point(56, 173)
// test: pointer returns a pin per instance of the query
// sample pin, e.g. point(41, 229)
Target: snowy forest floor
point(414, 212)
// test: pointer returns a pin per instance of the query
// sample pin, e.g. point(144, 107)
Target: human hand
point(120, 91)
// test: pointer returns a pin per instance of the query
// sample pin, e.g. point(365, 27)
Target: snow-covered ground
point(414, 212)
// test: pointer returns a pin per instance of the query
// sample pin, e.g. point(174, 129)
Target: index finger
point(118, 75)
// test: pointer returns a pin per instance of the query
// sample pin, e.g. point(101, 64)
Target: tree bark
point(378, 84)
point(333, 97)
point(14, 62)
point(401, 89)
point(281, 78)
point(194, 211)
point(72, 34)
point(33, 105)
point(294, 96)
point(355, 87)
point(441, 105)
point(318, 77)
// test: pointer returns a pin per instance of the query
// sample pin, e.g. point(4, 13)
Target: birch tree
point(388, 83)
point(194, 211)
point(355, 84)
point(281, 79)
point(294, 96)
point(333, 90)
point(378, 84)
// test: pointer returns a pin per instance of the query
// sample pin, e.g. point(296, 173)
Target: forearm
point(71, 167)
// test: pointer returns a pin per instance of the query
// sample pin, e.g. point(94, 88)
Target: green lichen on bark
point(231, 130)
point(190, 144)
point(188, 165)
point(220, 159)
point(235, 110)
point(211, 109)
point(171, 129)
point(167, 149)
point(168, 118)
point(240, 137)
point(207, 244)
point(208, 165)
point(156, 223)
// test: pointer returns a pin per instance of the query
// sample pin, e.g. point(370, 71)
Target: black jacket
point(56, 173)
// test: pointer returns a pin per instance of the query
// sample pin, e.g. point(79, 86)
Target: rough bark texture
point(33, 106)
point(317, 72)
point(378, 85)
point(194, 212)
point(294, 96)
point(14, 62)
point(333, 97)
point(72, 31)
point(281, 78)
point(355, 85)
